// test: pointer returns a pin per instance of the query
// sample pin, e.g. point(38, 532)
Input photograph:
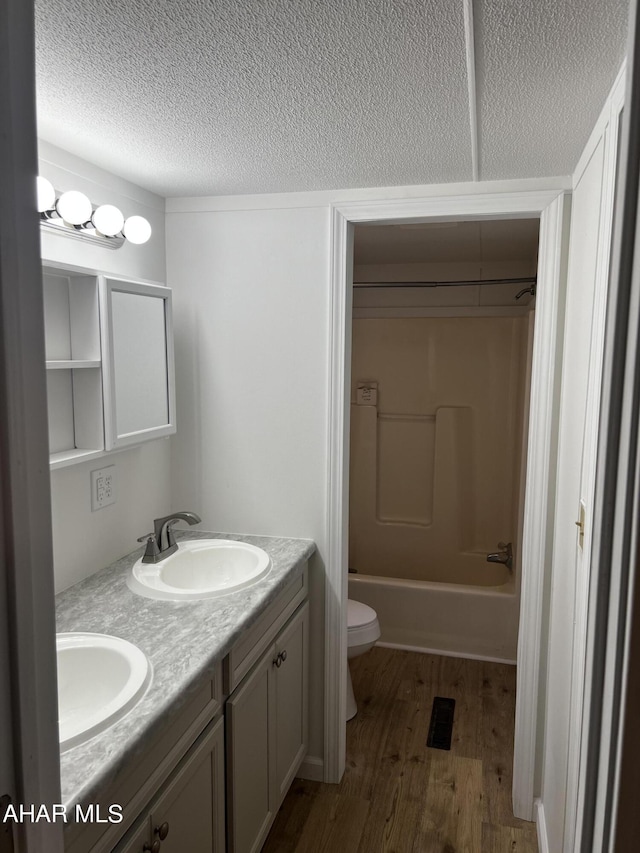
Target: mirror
point(138, 364)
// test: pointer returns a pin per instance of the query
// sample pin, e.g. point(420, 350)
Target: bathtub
point(458, 620)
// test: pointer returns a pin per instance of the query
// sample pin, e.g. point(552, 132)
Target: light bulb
point(108, 220)
point(137, 229)
point(46, 195)
point(74, 207)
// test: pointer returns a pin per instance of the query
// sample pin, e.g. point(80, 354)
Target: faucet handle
point(145, 538)
point(151, 552)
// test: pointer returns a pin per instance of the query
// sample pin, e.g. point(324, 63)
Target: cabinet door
point(189, 813)
point(191, 810)
point(135, 841)
point(250, 734)
point(137, 359)
point(291, 692)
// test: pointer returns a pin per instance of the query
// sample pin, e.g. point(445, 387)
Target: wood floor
point(399, 796)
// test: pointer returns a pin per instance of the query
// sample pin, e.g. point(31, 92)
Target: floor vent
point(441, 725)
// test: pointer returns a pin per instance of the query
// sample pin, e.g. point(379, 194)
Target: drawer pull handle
point(162, 831)
point(280, 659)
point(153, 848)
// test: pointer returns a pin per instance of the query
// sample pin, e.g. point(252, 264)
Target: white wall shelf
point(72, 364)
point(64, 458)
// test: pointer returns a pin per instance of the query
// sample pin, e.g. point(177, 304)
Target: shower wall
point(436, 438)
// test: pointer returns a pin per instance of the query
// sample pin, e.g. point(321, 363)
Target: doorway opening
point(442, 341)
point(550, 208)
point(443, 320)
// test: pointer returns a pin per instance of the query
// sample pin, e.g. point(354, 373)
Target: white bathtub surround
point(434, 482)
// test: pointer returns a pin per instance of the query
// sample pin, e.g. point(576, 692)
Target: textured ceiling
point(544, 69)
point(200, 97)
point(455, 242)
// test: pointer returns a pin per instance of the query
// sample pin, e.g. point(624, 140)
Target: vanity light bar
point(73, 215)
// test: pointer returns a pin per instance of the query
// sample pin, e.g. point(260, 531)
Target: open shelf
point(70, 457)
point(74, 375)
point(71, 364)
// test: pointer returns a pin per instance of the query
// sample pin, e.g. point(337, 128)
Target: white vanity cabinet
point(266, 735)
point(188, 814)
point(110, 366)
point(213, 776)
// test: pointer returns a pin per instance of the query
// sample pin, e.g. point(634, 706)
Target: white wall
point(251, 308)
point(85, 541)
point(250, 276)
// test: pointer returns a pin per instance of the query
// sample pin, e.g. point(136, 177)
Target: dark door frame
point(29, 737)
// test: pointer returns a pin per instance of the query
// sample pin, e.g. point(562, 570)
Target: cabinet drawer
point(136, 783)
point(263, 632)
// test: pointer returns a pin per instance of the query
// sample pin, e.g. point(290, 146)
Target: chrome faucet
point(504, 556)
point(161, 543)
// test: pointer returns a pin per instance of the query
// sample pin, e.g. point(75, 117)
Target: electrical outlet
point(103, 487)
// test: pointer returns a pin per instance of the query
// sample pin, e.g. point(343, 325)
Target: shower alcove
point(439, 381)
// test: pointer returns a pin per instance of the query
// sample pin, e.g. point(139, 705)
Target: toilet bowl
point(363, 630)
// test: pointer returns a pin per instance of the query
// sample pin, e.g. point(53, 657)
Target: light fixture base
point(88, 235)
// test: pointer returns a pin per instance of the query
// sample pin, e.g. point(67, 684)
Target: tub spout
point(504, 556)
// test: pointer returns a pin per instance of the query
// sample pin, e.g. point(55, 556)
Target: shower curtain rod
point(530, 280)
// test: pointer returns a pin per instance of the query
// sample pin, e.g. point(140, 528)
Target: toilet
point(363, 630)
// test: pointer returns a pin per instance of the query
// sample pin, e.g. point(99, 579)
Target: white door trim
point(552, 208)
point(539, 502)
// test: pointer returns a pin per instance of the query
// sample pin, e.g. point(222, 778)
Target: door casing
point(552, 207)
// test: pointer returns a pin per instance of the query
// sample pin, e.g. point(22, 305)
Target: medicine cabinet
point(110, 370)
point(139, 395)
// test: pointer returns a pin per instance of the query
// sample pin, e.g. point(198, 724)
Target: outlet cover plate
point(103, 487)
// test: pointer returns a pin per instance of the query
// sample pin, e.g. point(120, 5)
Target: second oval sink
point(100, 679)
point(200, 568)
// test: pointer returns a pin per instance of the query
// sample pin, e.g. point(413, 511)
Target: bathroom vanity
point(204, 760)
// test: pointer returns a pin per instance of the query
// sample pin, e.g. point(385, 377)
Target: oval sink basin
point(100, 678)
point(200, 568)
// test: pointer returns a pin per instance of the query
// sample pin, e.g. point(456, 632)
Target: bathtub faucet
point(504, 555)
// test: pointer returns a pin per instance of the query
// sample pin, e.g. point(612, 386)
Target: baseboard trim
point(541, 825)
point(445, 654)
point(312, 769)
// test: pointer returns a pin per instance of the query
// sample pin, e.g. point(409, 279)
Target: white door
point(580, 400)
point(566, 558)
